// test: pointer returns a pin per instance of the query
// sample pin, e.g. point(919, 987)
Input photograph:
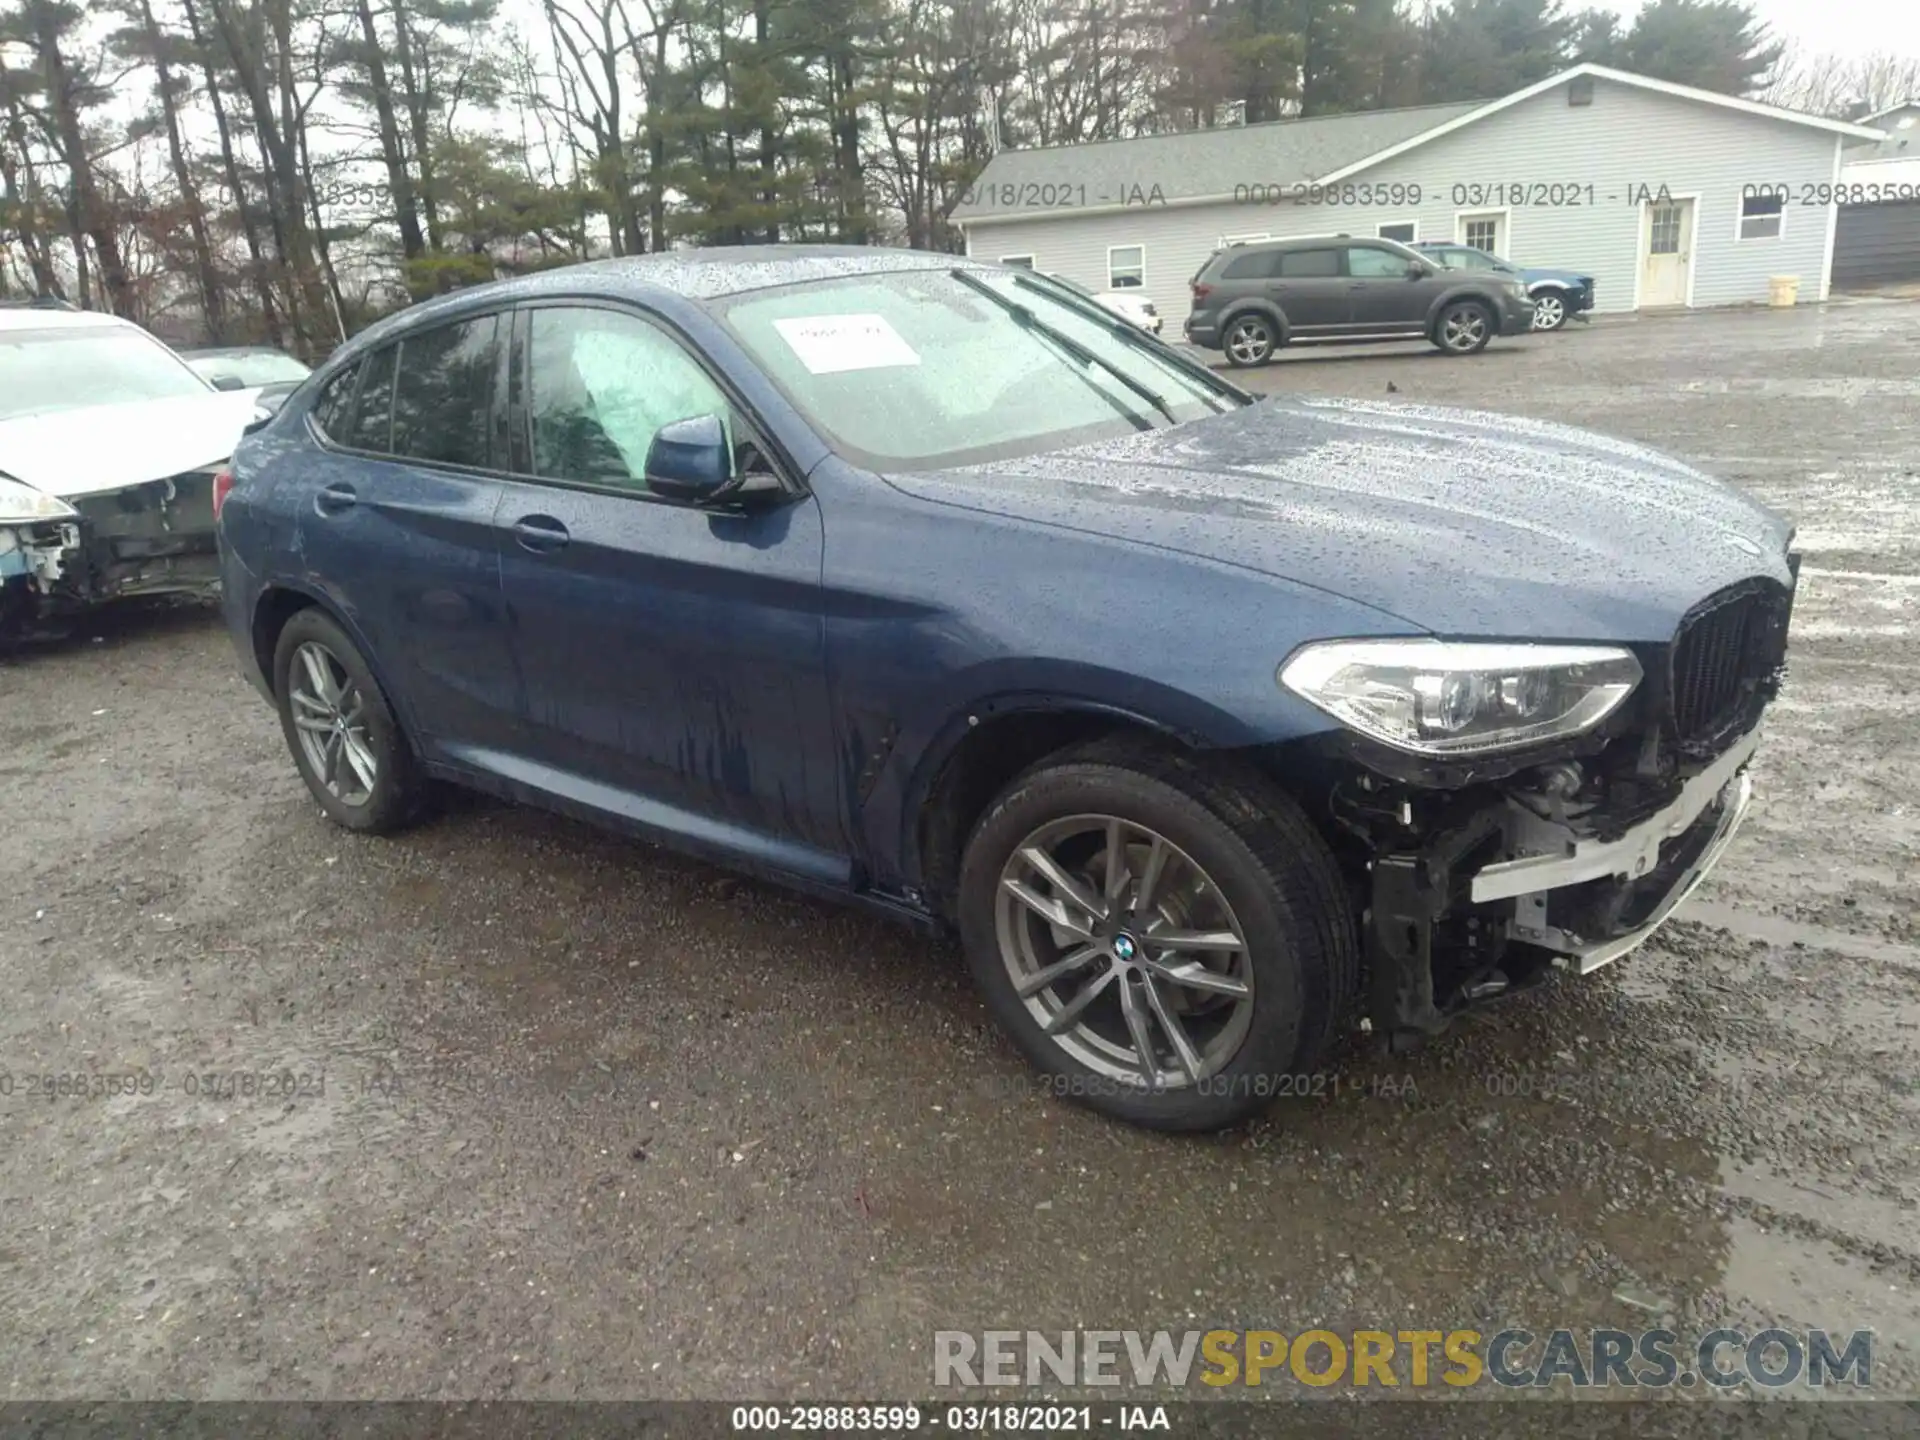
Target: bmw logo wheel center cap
point(1124, 947)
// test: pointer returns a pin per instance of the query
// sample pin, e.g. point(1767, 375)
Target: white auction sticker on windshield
point(827, 344)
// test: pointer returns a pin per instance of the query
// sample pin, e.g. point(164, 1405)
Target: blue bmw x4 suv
point(1213, 726)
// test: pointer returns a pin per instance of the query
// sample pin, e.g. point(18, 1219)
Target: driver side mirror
point(1418, 270)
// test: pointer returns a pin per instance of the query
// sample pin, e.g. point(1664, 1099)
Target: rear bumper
point(1202, 332)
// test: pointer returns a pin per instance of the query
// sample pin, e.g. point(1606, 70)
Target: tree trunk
point(236, 183)
point(399, 181)
point(212, 302)
point(90, 217)
point(417, 119)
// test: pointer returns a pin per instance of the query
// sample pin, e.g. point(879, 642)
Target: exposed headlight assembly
point(1440, 697)
point(22, 504)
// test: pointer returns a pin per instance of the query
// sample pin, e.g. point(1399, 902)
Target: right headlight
point(1442, 697)
point(22, 504)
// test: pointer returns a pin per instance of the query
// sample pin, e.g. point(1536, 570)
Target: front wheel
point(1250, 341)
point(1167, 944)
point(1464, 328)
point(1549, 311)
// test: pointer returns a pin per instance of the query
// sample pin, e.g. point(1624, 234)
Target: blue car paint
point(822, 659)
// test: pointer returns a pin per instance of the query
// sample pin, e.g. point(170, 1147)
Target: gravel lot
point(572, 1118)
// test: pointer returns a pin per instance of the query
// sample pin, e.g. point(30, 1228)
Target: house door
point(1667, 259)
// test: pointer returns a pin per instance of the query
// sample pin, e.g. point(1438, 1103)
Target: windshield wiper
point(1133, 335)
point(1066, 342)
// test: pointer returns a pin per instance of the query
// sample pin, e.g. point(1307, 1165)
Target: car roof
point(27, 318)
point(696, 275)
point(192, 352)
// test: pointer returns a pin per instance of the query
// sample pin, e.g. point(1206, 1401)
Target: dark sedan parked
point(1249, 300)
point(932, 585)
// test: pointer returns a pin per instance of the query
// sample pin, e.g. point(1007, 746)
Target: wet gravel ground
point(559, 1116)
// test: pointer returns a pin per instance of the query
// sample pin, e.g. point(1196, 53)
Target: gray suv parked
point(1248, 300)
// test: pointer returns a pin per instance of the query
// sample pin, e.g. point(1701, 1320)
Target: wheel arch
point(277, 604)
point(1473, 293)
point(1265, 309)
point(981, 748)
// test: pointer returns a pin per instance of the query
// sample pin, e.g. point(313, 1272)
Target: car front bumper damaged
point(1495, 901)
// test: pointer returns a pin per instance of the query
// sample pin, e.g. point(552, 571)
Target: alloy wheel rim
point(1547, 312)
point(330, 718)
point(1464, 329)
point(1124, 951)
point(1248, 342)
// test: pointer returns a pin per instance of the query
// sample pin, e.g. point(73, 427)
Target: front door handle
point(336, 497)
point(540, 533)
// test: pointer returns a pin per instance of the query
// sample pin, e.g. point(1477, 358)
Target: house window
point(1484, 232)
point(1405, 231)
point(1126, 267)
point(1019, 262)
point(1761, 216)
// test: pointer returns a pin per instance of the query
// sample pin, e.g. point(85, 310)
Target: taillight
point(1200, 292)
point(222, 486)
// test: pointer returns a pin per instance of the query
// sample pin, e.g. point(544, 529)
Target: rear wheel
point(342, 733)
point(1167, 945)
point(1250, 340)
point(1549, 310)
point(1464, 328)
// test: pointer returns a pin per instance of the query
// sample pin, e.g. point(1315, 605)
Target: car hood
point(104, 447)
point(1454, 521)
point(1533, 275)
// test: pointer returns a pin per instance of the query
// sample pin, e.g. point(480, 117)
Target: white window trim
point(1739, 219)
point(1505, 215)
point(1644, 237)
point(1143, 267)
point(1413, 220)
point(1028, 256)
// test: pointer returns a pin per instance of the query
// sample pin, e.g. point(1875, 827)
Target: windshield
point(252, 367)
point(924, 369)
point(46, 370)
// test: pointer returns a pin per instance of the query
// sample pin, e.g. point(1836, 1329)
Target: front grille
point(1727, 658)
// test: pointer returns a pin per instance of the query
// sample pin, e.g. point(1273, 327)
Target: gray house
point(1666, 195)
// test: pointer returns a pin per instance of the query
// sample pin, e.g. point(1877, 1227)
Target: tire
point(1463, 328)
point(1249, 339)
point(368, 735)
point(1549, 310)
point(1266, 880)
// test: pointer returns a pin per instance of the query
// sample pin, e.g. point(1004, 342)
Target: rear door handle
point(540, 533)
point(336, 497)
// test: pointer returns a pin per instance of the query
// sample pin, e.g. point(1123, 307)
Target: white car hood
point(105, 447)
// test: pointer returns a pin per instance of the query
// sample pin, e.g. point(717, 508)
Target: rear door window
point(372, 424)
point(1309, 264)
point(333, 411)
point(444, 396)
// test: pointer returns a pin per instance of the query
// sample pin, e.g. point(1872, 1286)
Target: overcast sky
point(1841, 27)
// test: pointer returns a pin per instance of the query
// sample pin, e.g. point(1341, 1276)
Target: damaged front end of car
point(62, 554)
point(1480, 868)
